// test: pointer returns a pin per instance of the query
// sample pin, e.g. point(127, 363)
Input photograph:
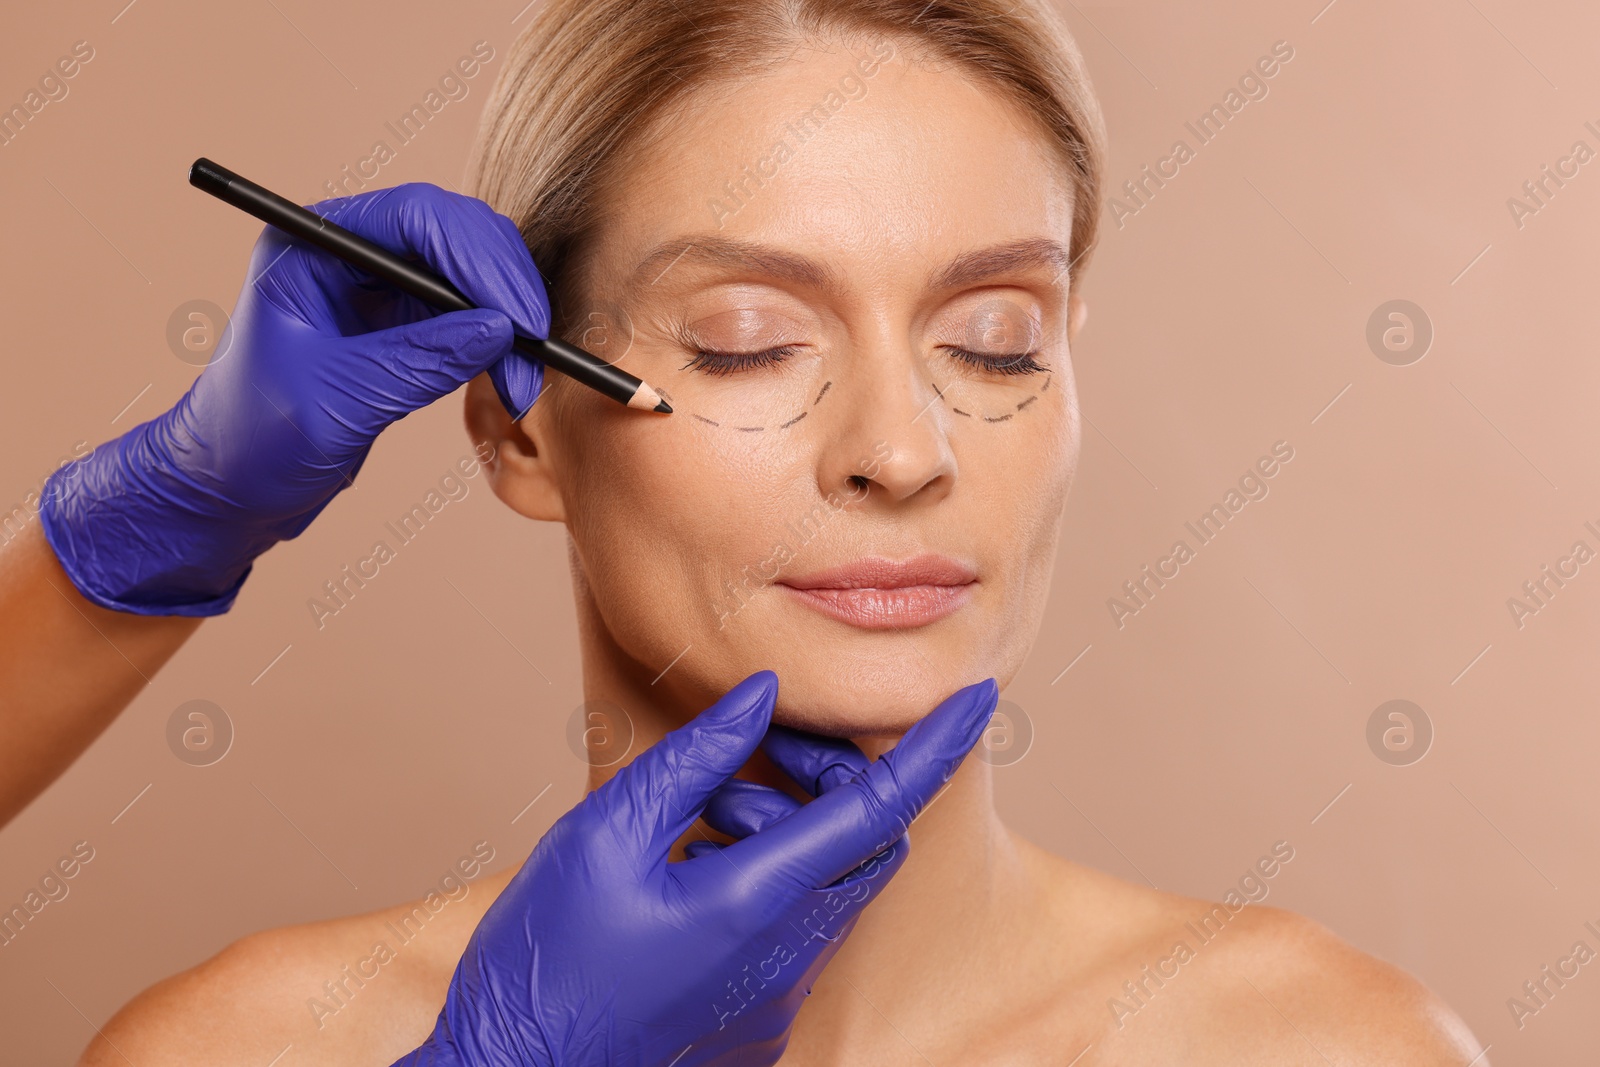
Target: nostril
point(858, 481)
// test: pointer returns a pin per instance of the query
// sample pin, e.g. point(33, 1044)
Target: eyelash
point(1009, 363)
point(725, 363)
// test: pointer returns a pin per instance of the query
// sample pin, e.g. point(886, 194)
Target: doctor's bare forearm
point(67, 666)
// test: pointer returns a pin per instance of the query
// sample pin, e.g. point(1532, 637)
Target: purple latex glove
point(816, 763)
point(318, 359)
point(601, 952)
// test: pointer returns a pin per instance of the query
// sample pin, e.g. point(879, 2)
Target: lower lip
point(887, 609)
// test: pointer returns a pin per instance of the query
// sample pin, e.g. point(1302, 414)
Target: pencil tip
point(664, 407)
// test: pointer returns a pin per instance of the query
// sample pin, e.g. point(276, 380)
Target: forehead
point(874, 164)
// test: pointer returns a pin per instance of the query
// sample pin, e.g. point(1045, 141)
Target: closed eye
point(998, 363)
point(725, 363)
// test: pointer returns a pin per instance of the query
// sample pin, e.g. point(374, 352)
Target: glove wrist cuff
point(128, 544)
point(153, 596)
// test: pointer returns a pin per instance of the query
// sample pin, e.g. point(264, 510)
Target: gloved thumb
point(518, 381)
point(411, 366)
point(652, 801)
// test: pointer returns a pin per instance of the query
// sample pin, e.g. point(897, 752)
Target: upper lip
point(875, 572)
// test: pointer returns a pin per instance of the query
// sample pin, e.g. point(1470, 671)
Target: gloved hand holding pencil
point(319, 358)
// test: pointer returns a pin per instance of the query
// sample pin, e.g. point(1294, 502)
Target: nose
point(892, 431)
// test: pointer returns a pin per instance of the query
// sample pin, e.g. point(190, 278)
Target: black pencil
point(426, 286)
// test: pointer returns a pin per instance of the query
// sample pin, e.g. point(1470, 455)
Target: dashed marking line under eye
point(1048, 377)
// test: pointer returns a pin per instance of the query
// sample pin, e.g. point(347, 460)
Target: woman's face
point(864, 335)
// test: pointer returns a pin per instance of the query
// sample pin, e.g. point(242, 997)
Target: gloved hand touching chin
point(319, 358)
point(601, 953)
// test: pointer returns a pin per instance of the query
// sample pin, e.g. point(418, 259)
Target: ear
point(1077, 315)
point(521, 472)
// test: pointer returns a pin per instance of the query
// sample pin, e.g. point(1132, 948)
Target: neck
point(964, 884)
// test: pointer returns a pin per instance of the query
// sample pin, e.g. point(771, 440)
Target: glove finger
point(878, 869)
point(413, 365)
point(518, 381)
point(838, 905)
point(654, 799)
point(815, 762)
point(696, 849)
point(740, 808)
point(856, 820)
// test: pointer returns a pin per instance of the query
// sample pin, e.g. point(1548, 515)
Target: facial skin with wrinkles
point(864, 261)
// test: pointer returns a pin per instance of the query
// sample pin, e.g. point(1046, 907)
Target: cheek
point(663, 517)
point(1058, 453)
point(1022, 468)
point(1019, 476)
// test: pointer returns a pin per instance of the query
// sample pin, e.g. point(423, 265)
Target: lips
point(884, 594)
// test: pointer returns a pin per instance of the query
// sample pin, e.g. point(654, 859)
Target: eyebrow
point(1014, 257)
point(968, 268)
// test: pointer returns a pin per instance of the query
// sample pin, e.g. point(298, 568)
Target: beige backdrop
point(1230, 311)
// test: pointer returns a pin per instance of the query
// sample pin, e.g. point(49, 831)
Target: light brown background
point(1225, 316)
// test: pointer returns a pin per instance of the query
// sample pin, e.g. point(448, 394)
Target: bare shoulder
point(362, 989)
point(1323, 992)
point(1164, 977)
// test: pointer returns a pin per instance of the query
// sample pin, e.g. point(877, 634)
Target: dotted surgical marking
point(997, 418)
point(1021, 405)
point(762, 429)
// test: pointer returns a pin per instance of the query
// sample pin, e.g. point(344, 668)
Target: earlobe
point(521, 472)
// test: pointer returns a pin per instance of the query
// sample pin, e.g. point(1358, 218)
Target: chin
point(857, 693)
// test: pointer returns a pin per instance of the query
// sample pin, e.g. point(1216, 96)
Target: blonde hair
point(586, 81)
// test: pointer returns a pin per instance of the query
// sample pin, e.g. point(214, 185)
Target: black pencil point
point(664, 407)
